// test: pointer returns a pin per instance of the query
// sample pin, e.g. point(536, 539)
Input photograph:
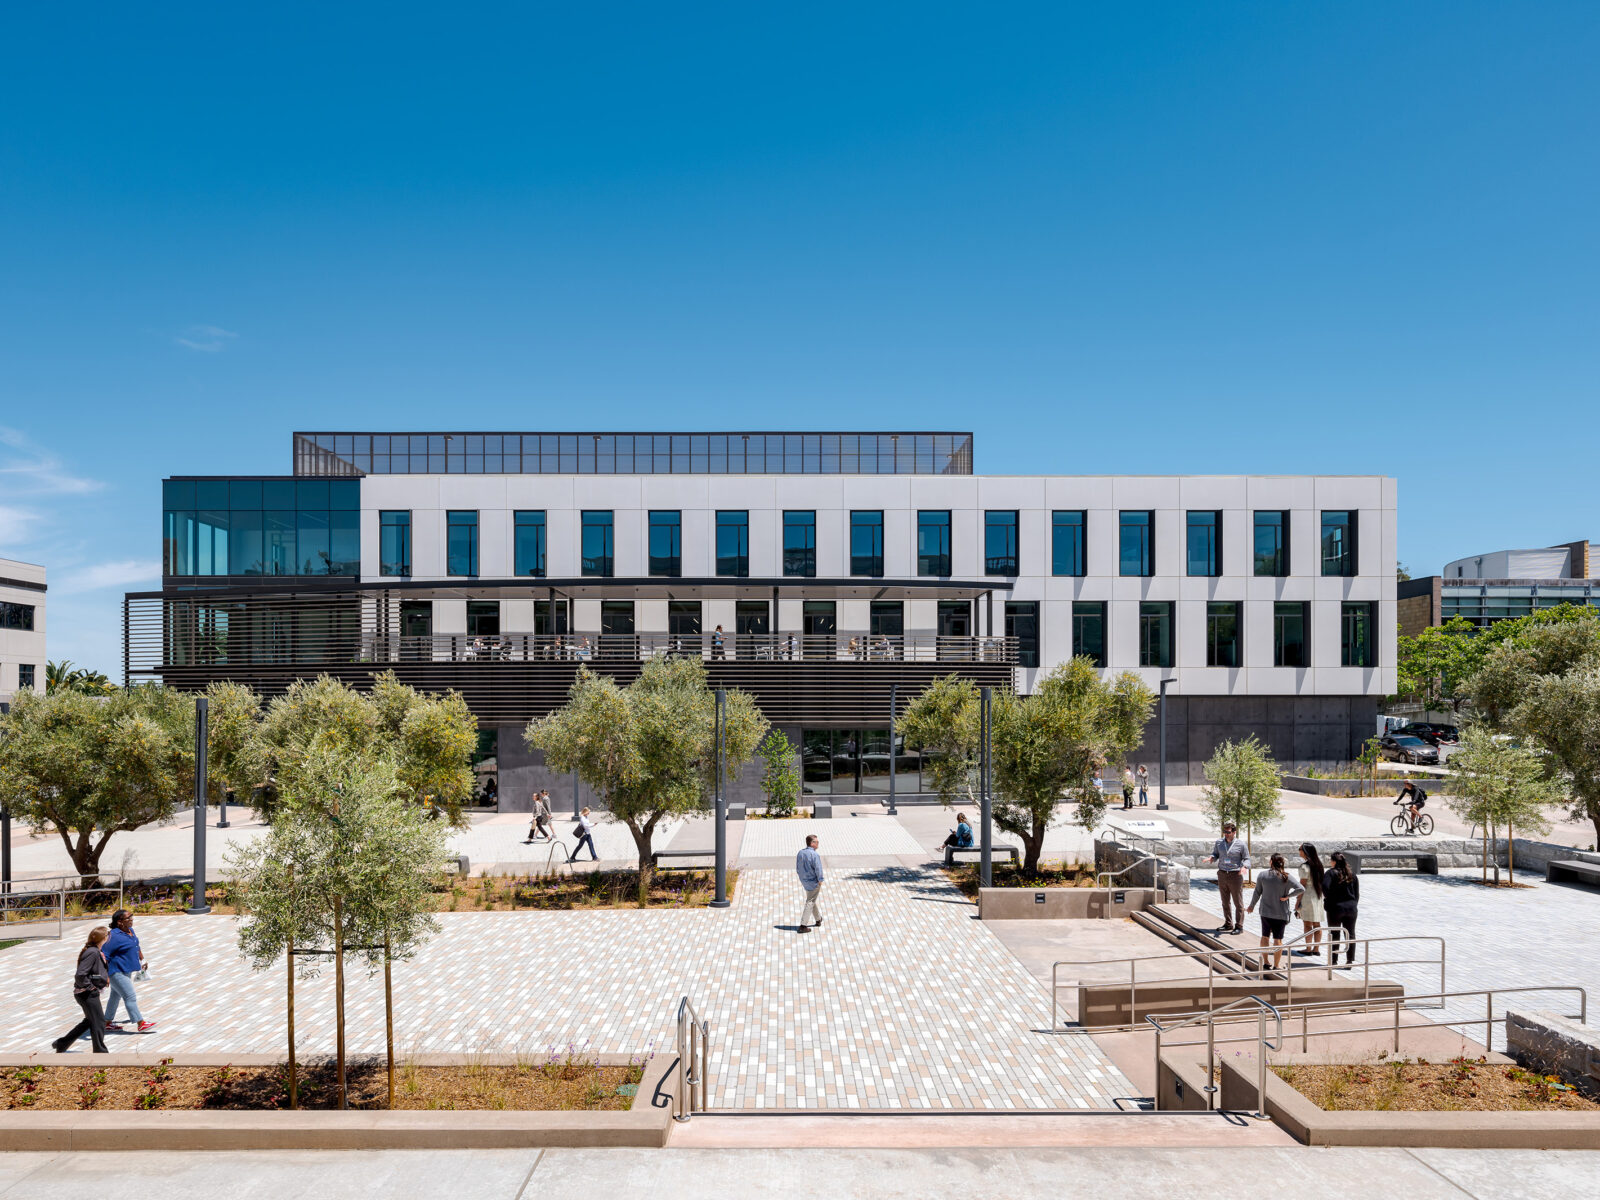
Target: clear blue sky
point(1139, 237)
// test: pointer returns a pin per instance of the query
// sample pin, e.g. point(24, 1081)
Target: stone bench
point(1572, 871)
point(950, 853)
point(657, 855)
point(1427, 861)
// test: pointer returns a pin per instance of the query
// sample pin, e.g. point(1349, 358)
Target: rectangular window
point(542, 617)
point(1000, 543)
point(394, 543)
point(866, 543)
point(1137, 545)
point(1289, 633)
point(461, 543)
point(1272, 544)
point(751, 618)
point(1358, 626)
point(1205, 543)
point(1068, 547)
point(1222, 633)
point(683, 621)
point(800, 543)
point(16, 616)
point(596, 547)
point(528, 547)
point(1155, 633)
point(1339, 543)
point(733, 544)
point(25, 677)
point(1089, 630)
point(933, 542)
point(666, 543)
point(483, 618)
point(1022, 623)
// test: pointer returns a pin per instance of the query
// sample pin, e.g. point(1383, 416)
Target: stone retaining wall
point(1555, 1045)
point(1452, 852)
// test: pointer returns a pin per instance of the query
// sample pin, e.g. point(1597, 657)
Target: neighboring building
point(22, 657)
point(1497, 586)
point(836, 565)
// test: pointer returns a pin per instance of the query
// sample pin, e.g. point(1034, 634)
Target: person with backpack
point(88, 981)
point(1341, 889)
point(1417, 798)
point(961, 836)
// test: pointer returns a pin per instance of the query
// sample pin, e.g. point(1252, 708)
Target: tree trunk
point(1493, 837)
point(642, 838)
point(1511, 855)
point(338, 989)
point(1033, 846)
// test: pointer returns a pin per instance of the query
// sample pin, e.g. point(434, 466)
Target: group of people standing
point(111, 959)
point(1323, 897)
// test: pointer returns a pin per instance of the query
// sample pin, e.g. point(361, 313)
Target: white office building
point(816, 570)
point(22, 654)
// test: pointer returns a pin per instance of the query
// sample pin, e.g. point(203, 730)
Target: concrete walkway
point(1084, 1173)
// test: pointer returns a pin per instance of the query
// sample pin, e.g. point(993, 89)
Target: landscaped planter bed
point(1059, 875)
point(1460, 1085)
point(545, 1085)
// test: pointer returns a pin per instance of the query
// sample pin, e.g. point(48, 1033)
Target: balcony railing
point(917, 646)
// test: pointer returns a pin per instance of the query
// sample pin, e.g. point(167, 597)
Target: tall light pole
point(5, 833)
point(721, 898)
point(1162, 803)
point(986, 838)
point(894, 708)
point(197, 905)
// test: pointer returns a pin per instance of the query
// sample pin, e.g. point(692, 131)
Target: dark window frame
point(1209, 531)
point(603, 564)
point(1145, 539)
point(738, 562)
point(938, 532)
point(455, 519)
point(1358, 633)
point(403, 528)
point(1278, 562)
point(1086, 611)
point(1281, 646)
point(1168, 618)
point(1028, 643)
point(1072, 559)
point(523, 518)
point(1008, 561)
point(800, 561)
point(1344, 536)
point(1213, 642)
point(668, 523)
point(866, 533)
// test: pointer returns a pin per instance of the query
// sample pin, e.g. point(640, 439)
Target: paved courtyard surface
point(901, 1000)
point(1080, 1173)
point(1494, 937)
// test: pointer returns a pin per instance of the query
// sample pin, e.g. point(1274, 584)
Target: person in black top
point(90, 979)
point(1341, 890)
point(1416, 797)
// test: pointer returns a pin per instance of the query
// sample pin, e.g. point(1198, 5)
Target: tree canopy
point(1242, 782)
point(1497, 784)
point(88, 767)
point(648, 748)
point(1046, 747)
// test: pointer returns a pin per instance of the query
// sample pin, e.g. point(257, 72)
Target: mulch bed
point(1060, 875)
point(557, 1083)
point(1461, 1085)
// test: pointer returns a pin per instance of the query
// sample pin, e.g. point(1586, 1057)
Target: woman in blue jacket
point(124, 959)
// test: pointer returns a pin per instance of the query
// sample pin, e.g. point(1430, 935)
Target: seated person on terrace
point(961, 835)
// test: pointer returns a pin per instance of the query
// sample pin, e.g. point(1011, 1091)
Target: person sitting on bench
point(961, 836)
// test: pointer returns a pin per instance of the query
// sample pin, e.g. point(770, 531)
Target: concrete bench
point(1572, 871)
point(1427, 861)
point(950, 853)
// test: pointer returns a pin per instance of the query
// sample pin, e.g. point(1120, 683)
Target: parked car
point(1433, 734)
point(1402, 747)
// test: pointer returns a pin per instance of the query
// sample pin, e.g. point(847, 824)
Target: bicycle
point(1403, 825)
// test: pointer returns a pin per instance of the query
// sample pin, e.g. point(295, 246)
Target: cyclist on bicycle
point(1413, 798)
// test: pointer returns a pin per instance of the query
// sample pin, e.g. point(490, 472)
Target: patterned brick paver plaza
point(902, 1000)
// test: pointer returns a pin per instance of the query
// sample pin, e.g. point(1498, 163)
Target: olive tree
point(648, 749)
point(1543, 688)
point(88, 767)
point(1045, 747)
point(345, 868)
point(1242, 782)
point(1495, 782)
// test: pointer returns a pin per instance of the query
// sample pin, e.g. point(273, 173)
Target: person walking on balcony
point(1341, 890)
point(717, 643)
point(1144, 786)
point(1311, 907)
point(88, 981)
point(808, 865)
point(1274, 889)
point(585, 831)
point(124, 959)
point(1232, 860)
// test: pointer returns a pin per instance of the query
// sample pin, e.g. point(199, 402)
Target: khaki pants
point(811, 914)
point(1231, 885)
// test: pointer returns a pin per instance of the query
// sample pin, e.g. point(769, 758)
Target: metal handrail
point(58, 892)
point(549, 858)
point(1108, 876)
point(693, 1033)
point(1238, 967)
point(1393, 1004)
point(1210, 1018)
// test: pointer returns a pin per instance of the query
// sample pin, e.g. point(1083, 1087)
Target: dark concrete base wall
point(1322, 730)
point(523, 771)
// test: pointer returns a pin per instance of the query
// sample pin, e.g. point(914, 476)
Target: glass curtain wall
point(251, 527)
point(856, 762)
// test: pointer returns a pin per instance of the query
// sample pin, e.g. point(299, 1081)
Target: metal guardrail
point(1236, 969)
point(693, 1033)
point(1262, 1008)
point(45, 894)
point(1394, 1005)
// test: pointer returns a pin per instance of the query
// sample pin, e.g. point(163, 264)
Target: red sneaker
point(147, 1026)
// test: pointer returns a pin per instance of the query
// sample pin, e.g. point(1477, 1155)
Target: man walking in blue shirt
point(808, 865)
